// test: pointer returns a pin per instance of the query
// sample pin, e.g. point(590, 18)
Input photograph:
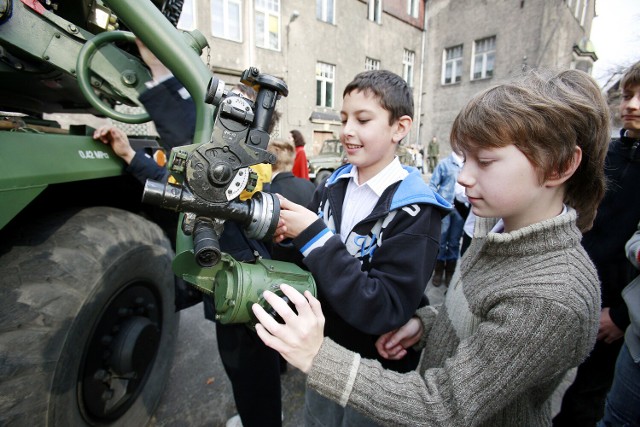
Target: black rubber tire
point(61, 278)
point(322, 176)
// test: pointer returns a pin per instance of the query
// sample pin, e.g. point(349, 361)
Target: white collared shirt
point(359, 200)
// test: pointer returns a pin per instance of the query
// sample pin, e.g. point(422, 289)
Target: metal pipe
point(172, 49)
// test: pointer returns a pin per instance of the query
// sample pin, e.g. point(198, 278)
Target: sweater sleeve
point(397, 276)
point(522, 343)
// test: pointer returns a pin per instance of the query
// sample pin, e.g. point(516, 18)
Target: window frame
point(322, 11)
point(485, 73)
point(225, 19)
point(457, 64)
point(413, 8)
point(374, 11)
point(267, 12)
point(371, 64)
point(193, 24)
point(325, 75)
point(408, 66)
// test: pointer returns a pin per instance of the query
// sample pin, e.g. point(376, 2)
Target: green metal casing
point(31, 161)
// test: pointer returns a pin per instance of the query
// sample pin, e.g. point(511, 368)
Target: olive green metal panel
point(32, 161)
point(12, 202)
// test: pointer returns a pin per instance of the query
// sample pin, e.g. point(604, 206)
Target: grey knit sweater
point(523, 310)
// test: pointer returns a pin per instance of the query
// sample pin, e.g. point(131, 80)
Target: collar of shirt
point(393, 172)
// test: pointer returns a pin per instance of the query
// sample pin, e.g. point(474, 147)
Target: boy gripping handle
point(524, 307)
point(370, 235)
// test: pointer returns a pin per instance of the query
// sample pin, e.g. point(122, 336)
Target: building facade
point(316, 47)
point(447, 50)
point(473, 45)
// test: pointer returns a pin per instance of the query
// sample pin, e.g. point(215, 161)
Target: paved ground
point(199, 394)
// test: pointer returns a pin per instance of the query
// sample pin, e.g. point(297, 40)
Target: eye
point(484, 162)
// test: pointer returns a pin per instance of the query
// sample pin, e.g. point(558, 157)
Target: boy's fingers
point(280, 306)
point(316, 307)
point(268, 339)
point(266, 320)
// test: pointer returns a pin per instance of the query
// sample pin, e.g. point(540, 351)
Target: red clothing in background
point(300, 166)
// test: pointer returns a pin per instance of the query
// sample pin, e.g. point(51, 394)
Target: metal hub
point(120, 353)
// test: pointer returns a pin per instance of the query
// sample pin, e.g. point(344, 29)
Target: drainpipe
point(422, 65)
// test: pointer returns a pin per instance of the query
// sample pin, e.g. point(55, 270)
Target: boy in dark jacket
point(370, 235)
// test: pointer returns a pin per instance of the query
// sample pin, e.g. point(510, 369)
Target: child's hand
point(393, 344)
point(117, 139)
point(300, 338)
point(294, 219)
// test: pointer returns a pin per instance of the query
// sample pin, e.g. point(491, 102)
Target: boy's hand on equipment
point(118, 141)
point(294, 219)
point(300, 338)
point(393, 344)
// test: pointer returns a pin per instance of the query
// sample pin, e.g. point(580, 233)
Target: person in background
point(433, 154)
point(298, 190)
point(300, 165)
point(524, 308)
point(617, 219)
point(443, 181)
point(622, 406)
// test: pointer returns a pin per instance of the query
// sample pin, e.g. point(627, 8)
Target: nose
point(634, 102)
point(464, 177)
point(347, 128)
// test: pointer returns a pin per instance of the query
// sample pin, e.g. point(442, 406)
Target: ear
point(561, 177)
point(402, 127)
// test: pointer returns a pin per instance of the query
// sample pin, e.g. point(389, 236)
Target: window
point(584, 12)
point(375, 11)
point(413, 7)
point(325, 78)
point(268, 24)
point(324, 10)
point(187, 19)
point(371, 64)
point(226, 19)
point(484, 58)
point(452, 65)
point(407, 66)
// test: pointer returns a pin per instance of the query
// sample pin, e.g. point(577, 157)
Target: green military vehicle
point(87, 274)
point(86, 287)
point(331, 157)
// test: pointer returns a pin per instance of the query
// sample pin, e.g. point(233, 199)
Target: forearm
point(391, 288)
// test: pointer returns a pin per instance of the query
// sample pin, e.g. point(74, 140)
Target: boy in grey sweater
point(523, 308)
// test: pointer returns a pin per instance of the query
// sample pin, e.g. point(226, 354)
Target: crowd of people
point(546, 209)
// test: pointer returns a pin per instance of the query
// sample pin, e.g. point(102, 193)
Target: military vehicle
point(86, 282)
point(331, 157)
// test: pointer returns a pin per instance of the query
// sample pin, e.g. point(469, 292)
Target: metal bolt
point(129, 77)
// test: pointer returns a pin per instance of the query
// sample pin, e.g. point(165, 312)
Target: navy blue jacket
point(375, 282)
point(616, 221)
